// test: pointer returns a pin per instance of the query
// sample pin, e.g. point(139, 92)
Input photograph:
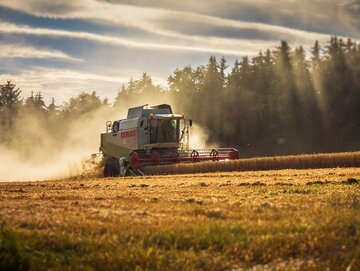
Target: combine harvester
point(152, 136)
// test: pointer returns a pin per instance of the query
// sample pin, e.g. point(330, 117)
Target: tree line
point(279, 102)
point(282, 101)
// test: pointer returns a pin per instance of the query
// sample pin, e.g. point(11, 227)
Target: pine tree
point(9, 95)
point(121, 96)
point(212, 103)
point(223, 67)
point(39, 102)
point(10, 104)
point(52, 108)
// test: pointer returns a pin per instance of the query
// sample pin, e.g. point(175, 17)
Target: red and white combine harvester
point(152, 136)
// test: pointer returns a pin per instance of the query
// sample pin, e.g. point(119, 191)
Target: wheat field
point(305, 161)
point(249, 220)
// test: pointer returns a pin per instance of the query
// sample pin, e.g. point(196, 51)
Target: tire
point(110, 169)
point(107, 170)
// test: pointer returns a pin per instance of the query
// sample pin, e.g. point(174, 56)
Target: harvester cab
point(151, 136)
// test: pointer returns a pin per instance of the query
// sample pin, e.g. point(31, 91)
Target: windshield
point(164, 131)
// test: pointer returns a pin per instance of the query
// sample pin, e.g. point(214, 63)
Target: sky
point(64, 47)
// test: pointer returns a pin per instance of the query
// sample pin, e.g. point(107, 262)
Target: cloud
point(44, 8)
point(307, 13)
point(338, 17)
point(234, 30)
point(165, 22)
point(65, 83)
point(25, 51)
point(200, 44)
point(172, 29)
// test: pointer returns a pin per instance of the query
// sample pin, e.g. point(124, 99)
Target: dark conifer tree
point(9, 95)
point(9, 106)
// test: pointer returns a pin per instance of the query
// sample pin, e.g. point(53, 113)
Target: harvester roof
point(144, 111)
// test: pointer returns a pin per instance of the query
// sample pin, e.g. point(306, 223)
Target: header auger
point(152, 136)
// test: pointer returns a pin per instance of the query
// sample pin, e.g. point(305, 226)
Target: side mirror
point(190, 122)
point(108, 126)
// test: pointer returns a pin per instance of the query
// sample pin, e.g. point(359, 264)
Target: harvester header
point(152, 136)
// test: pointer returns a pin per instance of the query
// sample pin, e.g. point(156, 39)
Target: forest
point(281, 101)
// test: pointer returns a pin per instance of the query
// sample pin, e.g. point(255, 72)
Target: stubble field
point(251, 220)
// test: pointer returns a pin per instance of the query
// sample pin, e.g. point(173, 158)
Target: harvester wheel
point(110, 169)
point(107, 171)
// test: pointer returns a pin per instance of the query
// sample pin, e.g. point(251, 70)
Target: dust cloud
point(199, 138)
point(41, 154)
